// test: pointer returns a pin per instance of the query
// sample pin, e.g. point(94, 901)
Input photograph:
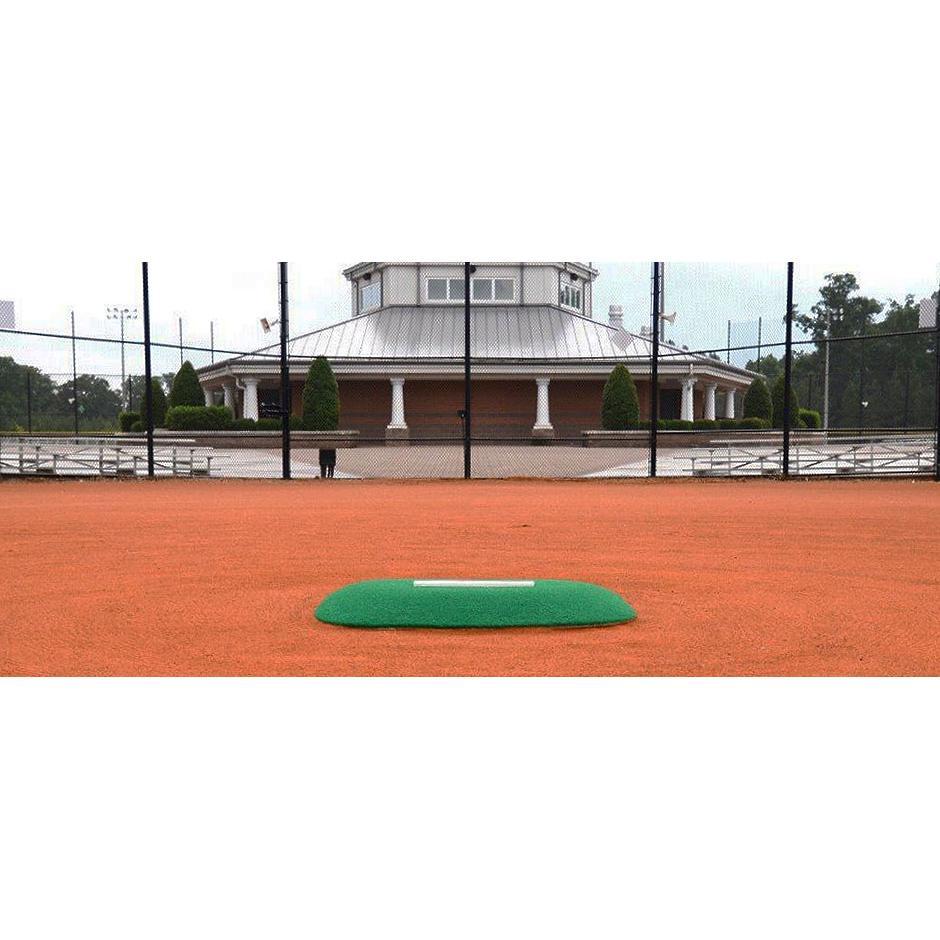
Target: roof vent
point(616, 316)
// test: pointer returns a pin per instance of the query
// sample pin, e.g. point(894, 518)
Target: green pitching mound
point(405, 603)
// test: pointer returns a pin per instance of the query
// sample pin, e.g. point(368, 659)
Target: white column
point(250, 404)
point(710, 390)
point(229, 392)
point(543, 420)
point(729, 403)
point(398, 404)
point(208, 393)
point(688, 384)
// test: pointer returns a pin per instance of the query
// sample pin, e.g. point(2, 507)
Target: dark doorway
point(670, 403)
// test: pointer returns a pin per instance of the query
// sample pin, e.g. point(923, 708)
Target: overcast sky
point(235, 295)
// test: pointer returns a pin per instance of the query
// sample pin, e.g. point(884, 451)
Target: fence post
point(936, 414)
point(29, 401)
point(74, 379)
point(285, 378)
point(148, 388)
point(467, 270)
point(788, 373)
point(654, 370)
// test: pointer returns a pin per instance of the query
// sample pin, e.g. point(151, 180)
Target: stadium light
point(267, 325)
point(122, 314)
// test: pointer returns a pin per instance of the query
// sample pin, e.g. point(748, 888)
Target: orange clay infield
point(222, 577)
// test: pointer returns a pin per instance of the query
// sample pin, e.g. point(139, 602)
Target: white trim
point(475, 584)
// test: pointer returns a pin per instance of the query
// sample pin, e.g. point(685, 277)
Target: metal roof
point(437, 332)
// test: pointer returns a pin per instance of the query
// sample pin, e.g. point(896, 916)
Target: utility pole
point(121, 314)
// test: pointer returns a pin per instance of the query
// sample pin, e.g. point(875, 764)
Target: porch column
point(210, 400)
point(250, 404)
point(688, 385)
point(397, 428)
point(710, 390)
point(229, 392)
point(543, 419)
point(729, 403)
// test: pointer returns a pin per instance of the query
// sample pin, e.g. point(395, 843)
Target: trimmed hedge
point(137, 427)
point(243, 424)
point(778, 402)
point(127, 420)
point(620, 408)
point(754, 424)
point(757, 401)
point(199, 418)
point(321, 398)
point(186, 390)
point(158, 398)
point(704, 424)
point(811, 419)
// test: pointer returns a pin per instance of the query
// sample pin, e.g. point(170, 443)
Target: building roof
point(431, 333)
point(576, 267)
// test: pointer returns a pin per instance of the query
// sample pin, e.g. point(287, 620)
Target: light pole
point(826, 375)
point(121, 314)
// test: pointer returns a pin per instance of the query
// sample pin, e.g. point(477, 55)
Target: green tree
point(757, 403)
point(320, 398)
point(186, 389)
point(620, 407)
point(768, 366)
point(778, 401)
point(158, 397)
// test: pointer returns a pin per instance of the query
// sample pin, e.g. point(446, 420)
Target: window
point(445, 288)
point(484, 289)
point(570, 296)
point(370, 296)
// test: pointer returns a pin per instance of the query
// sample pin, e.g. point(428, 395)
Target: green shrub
point(269, 424)
point(726, 424)
point(754, 424)
point(321, 398)
point(296, 423)
point(186, 390)
point(811, 419)
point(704, 424)
point(778, 396)
point(620, 407)
point(127, 419)
point(137, 427)
point(199, 418)
point(243, 424)
point(158, 397)
point(757, 402)
point(675, 424)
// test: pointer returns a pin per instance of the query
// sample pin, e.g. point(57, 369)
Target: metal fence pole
point(728, 353)
point(654, 370)
point(467, 270)
point(29, 401)
point(74, 378)
point(788, 373)
point(148, 387)
point(285, 377)
point(759, 325)
point(936, 415)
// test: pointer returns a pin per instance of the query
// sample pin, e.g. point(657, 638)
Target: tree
point(186, 389)
point(158, 397)
point(768, 366)
point(778, 401)
point(757, 403)
point(320, 398)
point(620, 407)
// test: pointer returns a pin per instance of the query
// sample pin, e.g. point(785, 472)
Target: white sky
point(235, 294)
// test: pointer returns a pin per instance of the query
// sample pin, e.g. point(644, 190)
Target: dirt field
point(221, 578)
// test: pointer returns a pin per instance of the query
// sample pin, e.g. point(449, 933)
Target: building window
point(370, 296)
point(445, 288)
point(570, 296)
point(493, 288)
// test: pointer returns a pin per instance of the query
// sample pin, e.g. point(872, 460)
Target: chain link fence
point(489, 370)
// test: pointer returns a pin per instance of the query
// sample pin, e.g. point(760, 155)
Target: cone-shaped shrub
point(186, 389)
point(620, 407)
point(159, 403)
point(778, 396)
point(321, 398)
point(757, 402)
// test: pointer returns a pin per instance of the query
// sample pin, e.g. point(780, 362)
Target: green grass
point(399, 603)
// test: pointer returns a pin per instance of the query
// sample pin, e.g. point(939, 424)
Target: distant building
point(540, 359)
